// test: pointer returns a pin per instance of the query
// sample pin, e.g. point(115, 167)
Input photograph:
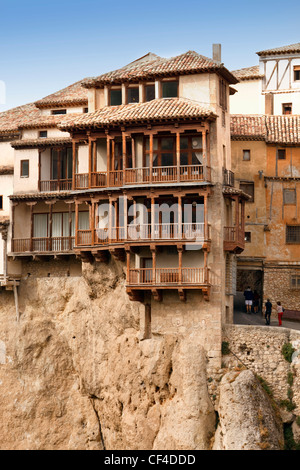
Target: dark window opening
point(43, 134)
point(169, 89)
point(246, 155)
point(24, 168)
point(281, 153)
point(115, 97)
point(287, 108)
point(149, 92)
point(293, 234)
point(248, 237)
point(248, 188)
point(1, 203)
point(133, 95)
point(59, 111)
point(297, 73)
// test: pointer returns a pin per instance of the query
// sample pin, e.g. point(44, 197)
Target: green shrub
point(225, 348)
point(287, 352)
point(290, 379)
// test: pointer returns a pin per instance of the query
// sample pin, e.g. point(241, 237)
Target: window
point(169, 89)
point(116, 97)
point(295, 281)
point(85, 110)
point(246, 155)
point(1, 203)
point(149, 92)
point(292, 234)
point(223, 94)
point(133, 95)
point(59, 111)
point(248, 188)
point(43, 134)
point(164, 151)
point(281, 154)
point(289, 196)
point(286, 108)
point(248, 237)
point(24, 169)
point(61, 164)
point(297, 73)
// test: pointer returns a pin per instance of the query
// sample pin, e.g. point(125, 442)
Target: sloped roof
point(248, 127)
point(37, 143)
point(187, 63)
point(292, 48)
point(46, 121)
point(162, 109)
point(72, 95)
point(248, 73)
point(270, 128)
point(11, 120)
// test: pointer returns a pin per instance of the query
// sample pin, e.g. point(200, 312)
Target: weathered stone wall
point(277, 287)
point(260, 349)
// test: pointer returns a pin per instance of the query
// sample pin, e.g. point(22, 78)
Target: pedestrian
point(248, 294)
point(268, 311)
point(279, 313)
point(256, 298)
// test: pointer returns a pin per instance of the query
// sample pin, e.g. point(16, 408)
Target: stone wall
point(277, 287)
point(260, 350)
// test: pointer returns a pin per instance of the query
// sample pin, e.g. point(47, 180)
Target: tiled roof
point(248, 73)
point(187, 63)
point(70, 96)
point(37, 143)
point(292, 48)
point(230, 191)
point(6, 170)
point(248, 127)
point(283, 129)
point(156, 110)
point(11, 119)
point(46, 121)
point(270, 128)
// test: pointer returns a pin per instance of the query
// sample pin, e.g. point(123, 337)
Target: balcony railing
point(194, 232)
point(228, 177)
point(159, 174)
point(168, 277)
point(56, 185)
point(40, 245)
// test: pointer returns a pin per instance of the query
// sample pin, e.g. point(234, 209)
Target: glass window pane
point(167, 143)
point(150, 92)
point(197, 158)
point(184, 143)
point(25, 168)
point(184, 159)
point(196, 143)
point(133, 95)
point(115, 97)
point(40, 225)
point(167, 159)
point(170, 89)
point(83, 221)
point(246, 155)
point(54, 165)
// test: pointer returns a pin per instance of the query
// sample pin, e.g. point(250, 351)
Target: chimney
point(217, 52)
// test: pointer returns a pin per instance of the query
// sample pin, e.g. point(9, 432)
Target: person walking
point(256, 298)
point(248, 294)
point(279, 313)
point(268, 311)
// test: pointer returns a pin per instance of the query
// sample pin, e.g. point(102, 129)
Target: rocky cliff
point(75, 374)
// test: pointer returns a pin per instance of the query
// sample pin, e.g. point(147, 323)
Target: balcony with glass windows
point(55, 169)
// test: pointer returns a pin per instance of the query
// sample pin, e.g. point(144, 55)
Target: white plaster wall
point(280, 98)
point(248, 99)
point(6, 154)
point(101, 155)
point(196, 87)
point(45, 165)
point(30, 184)
point(83, 159)
point(52, 133)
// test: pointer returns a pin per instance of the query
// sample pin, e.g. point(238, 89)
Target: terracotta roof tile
point(37, 143)
point(155, 110)
point(46, 121)
point(292, 48)
point(248, 127)
point(6, 170)
point(248, 73)
point(189, 62)
point(283, 129)
point(72, 95)
point(11, 119)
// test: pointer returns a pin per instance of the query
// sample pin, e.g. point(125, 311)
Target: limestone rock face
point(74, 373)
point(247, 418)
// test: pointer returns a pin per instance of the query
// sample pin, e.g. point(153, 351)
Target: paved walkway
point(242, 318)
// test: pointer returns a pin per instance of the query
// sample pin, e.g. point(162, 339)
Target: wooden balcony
point(156, 280)
point(43, 245)
point(228, 178)
point(48, 186)
point(139, 233)
point(133, 176)
point(234, 239)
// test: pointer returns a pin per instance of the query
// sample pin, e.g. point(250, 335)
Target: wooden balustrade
point(56, 185)
point(169, 276)
point(41, 245)
point(234, 239)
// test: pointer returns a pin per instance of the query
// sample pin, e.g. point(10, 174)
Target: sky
point(46, 46)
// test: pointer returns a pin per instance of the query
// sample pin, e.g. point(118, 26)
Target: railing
point(56, 185)
point(228, 177)
point(47, 244)
point(234, 235)
point(197, 232)
point(159, 174)
point(169, 276)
